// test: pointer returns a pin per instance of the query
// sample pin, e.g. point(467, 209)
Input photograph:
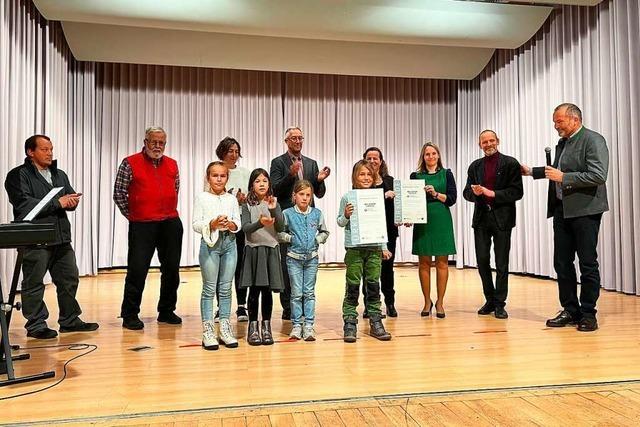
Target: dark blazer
point(282, 182)
point(585, 164)
point(508, 189)
point(26, 187)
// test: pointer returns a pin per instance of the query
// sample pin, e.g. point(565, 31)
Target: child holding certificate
point(261, 271)
point(304, 231)
point(362, 261)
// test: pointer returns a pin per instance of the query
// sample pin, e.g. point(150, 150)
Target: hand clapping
point(272, 202)
point(266, 221)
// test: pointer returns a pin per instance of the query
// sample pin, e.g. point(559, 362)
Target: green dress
point(435, 238)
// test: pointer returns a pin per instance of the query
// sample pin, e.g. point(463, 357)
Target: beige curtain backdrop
point(96, 115)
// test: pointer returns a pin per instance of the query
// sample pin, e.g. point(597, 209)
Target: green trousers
point(361, 263)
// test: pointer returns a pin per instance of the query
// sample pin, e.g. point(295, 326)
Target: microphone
point(547, 151)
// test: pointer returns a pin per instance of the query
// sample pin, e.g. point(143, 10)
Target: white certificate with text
point(368, 221)
point(410, 202)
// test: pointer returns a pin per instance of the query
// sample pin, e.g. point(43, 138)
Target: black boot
point(376, 329)
point(253, 336)
point(391, 311)
point(350, 330)
point(267, 337)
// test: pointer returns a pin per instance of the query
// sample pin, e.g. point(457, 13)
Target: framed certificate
point(368, 221)
point(410, 203)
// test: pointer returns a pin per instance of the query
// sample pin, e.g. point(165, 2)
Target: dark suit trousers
point(483, 233)
point(285, 294)
point(144, 238)
point(570, 236)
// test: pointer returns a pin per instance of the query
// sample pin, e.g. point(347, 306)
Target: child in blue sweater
point(304, 231)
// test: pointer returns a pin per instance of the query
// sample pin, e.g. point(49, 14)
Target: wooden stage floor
point(464, 352)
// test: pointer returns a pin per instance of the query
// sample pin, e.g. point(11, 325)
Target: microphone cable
point(90, 348)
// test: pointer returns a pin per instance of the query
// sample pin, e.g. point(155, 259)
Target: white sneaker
point(226, 334)
point(296, 332)
point(308, 333)
point(209, 340)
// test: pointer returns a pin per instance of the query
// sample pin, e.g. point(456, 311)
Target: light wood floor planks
point(174, 377)
point(611, 405)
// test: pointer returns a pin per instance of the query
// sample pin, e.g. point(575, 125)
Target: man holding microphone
point(577, 198)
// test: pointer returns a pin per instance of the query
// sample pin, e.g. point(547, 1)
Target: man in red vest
point(146, 192)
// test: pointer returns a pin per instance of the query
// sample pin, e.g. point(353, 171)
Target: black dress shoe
point(286, 315)
point(588, 324)
point(563, 319)
point(132, 322)
point(487, 308)
point(79, 326)
point(170, 318)
point(43, 334)
point(501, 313)
point(391, 311)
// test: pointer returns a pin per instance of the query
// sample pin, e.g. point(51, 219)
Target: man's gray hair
point(153, 129)
point(572, 110)
point(288, 131)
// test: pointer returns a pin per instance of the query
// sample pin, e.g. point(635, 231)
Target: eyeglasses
point(155, 143)
point(296, 138)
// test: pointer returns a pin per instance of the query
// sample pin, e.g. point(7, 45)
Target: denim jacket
point(304, 231)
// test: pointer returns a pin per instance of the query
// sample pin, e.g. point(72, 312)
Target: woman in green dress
point(435, 238)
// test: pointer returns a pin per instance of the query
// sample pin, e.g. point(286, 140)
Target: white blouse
point(208, 206)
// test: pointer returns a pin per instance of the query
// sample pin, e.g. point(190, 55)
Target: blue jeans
point(302, 274)
point(217, 265)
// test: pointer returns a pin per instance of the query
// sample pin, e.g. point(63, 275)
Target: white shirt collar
point(309, 209)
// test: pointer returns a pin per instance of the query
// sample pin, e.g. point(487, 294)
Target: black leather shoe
point(286, 315)
point(501, 313)
point(79, 327)
point(170, 318)
point(487, 308)
point(391, 311)
point(132, 322)
point(588, 324)
point(563, 319)
point(43, 334)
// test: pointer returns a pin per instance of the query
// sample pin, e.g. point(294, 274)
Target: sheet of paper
point(410, 203)
point(42, 203)
point(368, 221)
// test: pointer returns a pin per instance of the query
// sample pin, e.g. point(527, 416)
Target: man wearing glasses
point(285, 171)
point(146, 192)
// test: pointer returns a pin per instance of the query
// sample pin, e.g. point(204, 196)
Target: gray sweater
point(255, 233)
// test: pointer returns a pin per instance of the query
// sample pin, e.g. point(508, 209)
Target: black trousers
point(254, 301)
point(285, 294)
point(573, 236)
point(60, 261)
point(241, 293)
point(484, 233)
point(144, 239)
point(387, 277)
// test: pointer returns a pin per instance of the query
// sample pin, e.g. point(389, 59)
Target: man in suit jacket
point(285, 170)
point(576, 201)
point(494, 184)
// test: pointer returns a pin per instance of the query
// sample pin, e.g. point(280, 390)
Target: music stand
point(21, 236)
